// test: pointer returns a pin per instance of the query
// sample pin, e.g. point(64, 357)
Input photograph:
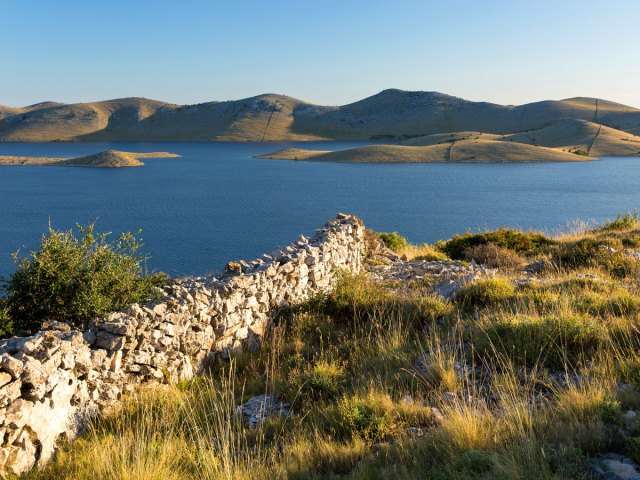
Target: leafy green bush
point(6, 324)
point(76, 277)
point(488, 291)
point(515, 240)
point(394, 241)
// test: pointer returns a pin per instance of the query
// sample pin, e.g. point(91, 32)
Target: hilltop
point(107, 159)
point(392, 114)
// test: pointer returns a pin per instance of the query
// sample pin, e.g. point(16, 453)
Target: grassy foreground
point(511, 380)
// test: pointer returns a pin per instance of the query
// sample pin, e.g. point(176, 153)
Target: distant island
point(564, 141)
point(391, 115)
point(416, 126)
point(108, 159)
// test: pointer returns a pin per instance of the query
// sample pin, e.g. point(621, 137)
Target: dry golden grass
point(461, 151)
point(521, 384)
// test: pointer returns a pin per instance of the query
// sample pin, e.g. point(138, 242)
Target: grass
point(401, 246)
point(510, 381)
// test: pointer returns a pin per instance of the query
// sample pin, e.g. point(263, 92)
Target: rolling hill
point(454, 152)
point(392, 114)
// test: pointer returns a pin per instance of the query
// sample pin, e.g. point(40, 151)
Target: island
point(107, 159)
point(565, 141)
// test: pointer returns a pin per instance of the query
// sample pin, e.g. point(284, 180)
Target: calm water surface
point(216, 203)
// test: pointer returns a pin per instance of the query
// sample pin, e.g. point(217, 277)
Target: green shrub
point(394, 241)
point(76, 277)
point(515, 240)
point(485, 292)
point(6, 324)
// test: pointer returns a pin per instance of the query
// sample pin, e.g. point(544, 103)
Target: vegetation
point(578, 151)
point(512, 380)
point(399, 244)
point(74, 277)
point(494, 256)
point(394, 241)
point(514, 240)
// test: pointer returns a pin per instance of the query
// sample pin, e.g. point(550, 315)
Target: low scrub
point(553, 341)
point(320, 380)
point(515, 240)
point(394, 241)
point(494, 256)
point(486, 292)
point(627, 221)
point(399, 244)
point(6, 324)
point(76, 276)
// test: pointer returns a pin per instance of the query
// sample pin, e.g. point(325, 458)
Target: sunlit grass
point(509, 381)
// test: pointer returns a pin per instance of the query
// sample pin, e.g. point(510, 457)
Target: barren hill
point(463, 151)
point(597, 140)
point(107, 159)
point(391, 114)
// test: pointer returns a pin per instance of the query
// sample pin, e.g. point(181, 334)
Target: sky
point(329, 52)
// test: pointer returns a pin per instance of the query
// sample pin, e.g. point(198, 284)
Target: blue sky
point(323, 51)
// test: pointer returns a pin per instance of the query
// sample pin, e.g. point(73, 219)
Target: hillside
point(107, 159)
point(391, 114)
point(564, 141)
point(455, 152)
point(582, 135)
point(496, 355)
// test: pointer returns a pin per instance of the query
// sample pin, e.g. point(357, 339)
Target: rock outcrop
point(55, 381)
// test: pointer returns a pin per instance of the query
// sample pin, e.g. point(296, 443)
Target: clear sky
point(323, 51)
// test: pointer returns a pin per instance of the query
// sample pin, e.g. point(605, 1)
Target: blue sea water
point(217, 203)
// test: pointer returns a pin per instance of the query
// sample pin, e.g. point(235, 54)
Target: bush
point(394, 241)
point(6, 324)
point(76, 277)
point(494, 256)
point(485, 292)
point(515, 240)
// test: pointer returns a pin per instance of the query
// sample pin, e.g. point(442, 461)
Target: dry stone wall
point(53, 382)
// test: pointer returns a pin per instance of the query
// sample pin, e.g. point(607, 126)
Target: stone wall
point(53, 382)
